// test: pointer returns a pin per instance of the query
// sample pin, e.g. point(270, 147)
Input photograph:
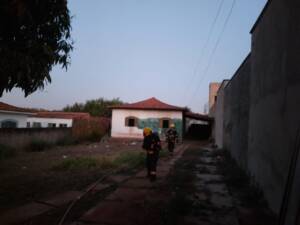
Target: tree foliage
point(34, 36)
point(96, 107)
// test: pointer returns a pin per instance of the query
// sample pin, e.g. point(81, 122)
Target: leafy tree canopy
point(34, 36)
point(96, 107)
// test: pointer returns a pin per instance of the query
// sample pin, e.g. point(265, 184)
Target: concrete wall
point(275, 97)
point(45, 121)
point(20, 118)
point(20, 138)
point(219, 115)
point(262, 106)
point(146, 118)
point(236, 113)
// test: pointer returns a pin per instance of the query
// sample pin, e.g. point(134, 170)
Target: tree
point(96, 107)
point(34, 36)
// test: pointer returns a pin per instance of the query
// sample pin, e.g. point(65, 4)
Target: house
point(53, 119)
point(128, 120)
point(16, 117)
point(13, 117)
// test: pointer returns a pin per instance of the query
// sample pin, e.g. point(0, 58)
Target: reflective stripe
point(153, 172)
point(150, 152)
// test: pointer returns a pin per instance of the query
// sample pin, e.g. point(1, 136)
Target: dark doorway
point(199, 132)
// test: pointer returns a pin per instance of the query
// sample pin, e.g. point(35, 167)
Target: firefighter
point(152, 145)
point(172, 138)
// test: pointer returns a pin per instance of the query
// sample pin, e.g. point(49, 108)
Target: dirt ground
point(30, 175)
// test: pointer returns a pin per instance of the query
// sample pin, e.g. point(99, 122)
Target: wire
point(204, 47)
point(214, 49)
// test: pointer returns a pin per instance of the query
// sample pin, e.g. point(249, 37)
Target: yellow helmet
point(147, 131)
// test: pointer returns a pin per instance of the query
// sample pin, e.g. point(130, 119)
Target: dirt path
point(191, 189)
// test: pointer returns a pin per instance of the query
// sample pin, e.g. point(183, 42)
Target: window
point(28, 124)
point(36, 125)
point(130, 121)
point(165, 123)
point(52, 125)
point(9, 124)
point(216, 98)
point(62, 125)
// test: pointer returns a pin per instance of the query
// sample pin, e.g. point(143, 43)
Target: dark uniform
point(152, 145)
point(171, 136)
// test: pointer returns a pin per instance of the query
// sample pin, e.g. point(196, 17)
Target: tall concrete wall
point(262, 106)
point(275, 97)
point(236, 113)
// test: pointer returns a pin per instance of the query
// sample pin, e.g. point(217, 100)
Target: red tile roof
point(62, 115)
point(11, 108)
point(149, 104)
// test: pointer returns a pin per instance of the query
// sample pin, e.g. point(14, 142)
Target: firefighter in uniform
point(172, 137)
point(152, 145)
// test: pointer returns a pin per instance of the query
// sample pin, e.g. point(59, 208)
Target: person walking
point(172, 138)
point(152, 145)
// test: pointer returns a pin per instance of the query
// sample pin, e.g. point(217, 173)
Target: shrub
point(6, 151)
point(37, 145)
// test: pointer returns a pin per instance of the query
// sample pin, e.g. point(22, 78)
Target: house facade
point(128, 120)
point(13, 117)
point(16, 117)
point(52, 119)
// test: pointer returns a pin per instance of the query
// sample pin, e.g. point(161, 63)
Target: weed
point(6, 152)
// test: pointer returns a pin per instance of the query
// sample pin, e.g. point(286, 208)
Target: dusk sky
point(136, 49)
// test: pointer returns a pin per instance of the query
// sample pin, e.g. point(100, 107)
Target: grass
point(129, 160)
point(6, 152)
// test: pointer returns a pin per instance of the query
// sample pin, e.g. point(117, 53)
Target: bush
point(6, 152)
point(94, 136)
point(36, 145)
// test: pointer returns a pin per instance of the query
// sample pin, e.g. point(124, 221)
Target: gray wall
point(275, 98)
point(262, 105)
point(236, 113)
point(219, 115)
point(21, 137)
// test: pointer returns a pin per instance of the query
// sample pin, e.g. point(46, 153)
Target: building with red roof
point(128, 120)
point(13, 117)
point(16, 117)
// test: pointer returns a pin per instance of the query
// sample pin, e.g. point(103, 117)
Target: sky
point(137, 49)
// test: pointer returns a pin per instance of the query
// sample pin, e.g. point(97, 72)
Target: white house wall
point(45, 121)
point(119, 115)
point(21, 119)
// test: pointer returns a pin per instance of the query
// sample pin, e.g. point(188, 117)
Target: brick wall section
point(213, 90)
